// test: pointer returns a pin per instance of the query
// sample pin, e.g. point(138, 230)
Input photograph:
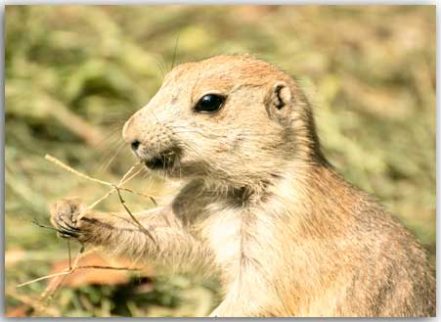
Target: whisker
point(108, 136)
point(161, 65)
point(108, 150)
point(175, 52)
point(104, 167)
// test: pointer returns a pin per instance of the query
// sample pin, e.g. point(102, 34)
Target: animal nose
point(134, 145)
point(130, 133)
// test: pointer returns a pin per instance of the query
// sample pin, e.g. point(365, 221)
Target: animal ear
point(278, 102)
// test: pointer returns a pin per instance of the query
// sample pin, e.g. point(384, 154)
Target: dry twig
point(126, 178)
point(118, 187)
point(73, 266)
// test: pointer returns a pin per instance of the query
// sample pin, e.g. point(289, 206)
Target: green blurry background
point(75, 73)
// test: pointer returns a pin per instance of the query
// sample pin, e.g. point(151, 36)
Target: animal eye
point(210, 103)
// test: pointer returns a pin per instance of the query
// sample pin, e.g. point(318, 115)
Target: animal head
point(231, 118)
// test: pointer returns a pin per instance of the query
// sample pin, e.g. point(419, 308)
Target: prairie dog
point(262, 207)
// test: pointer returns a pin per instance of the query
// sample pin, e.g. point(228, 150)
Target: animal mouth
point(162, 161)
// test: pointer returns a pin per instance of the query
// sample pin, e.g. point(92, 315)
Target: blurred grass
point(75, 73)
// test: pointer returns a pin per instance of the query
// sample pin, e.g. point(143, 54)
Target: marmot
point(262, 207)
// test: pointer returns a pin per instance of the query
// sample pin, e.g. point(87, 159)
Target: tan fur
point(262, 207)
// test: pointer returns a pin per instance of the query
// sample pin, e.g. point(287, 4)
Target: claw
point(67, 231)
point(67, 234)
point(68, 225)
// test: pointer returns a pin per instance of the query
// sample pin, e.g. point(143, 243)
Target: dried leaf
point(96, 276)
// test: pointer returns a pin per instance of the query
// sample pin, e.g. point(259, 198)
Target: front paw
point(66, 218)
